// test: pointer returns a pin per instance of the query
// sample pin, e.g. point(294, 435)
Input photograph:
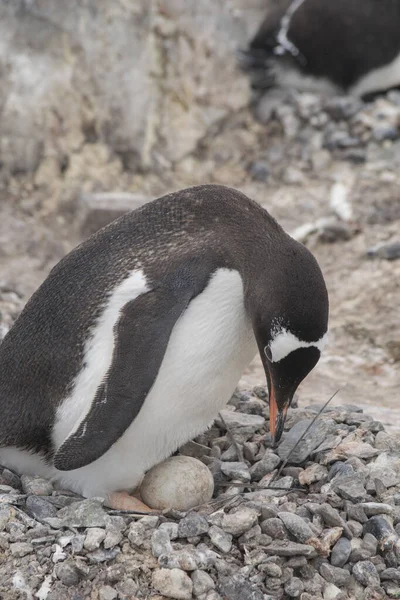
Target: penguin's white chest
point(209, 348)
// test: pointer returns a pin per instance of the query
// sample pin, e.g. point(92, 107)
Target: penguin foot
point(124, 501)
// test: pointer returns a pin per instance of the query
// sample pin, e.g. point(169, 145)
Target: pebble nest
point(326, 528)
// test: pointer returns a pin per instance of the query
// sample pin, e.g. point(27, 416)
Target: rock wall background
point(145, 79)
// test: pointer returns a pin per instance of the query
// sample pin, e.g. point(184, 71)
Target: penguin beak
point(277, 416)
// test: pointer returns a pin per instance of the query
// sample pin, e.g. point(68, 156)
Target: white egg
point(180, 482)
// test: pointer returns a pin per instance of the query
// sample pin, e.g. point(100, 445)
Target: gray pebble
point(275, 528)
point(100, 555)
point(202, 583)
point(40, 508)
point(332, 518)
point(20, 549)
point(237, 588)
point(376, 508)
point(240, 521)
point(87, 513)
point(192, 525)
point(365, 573)
point(236, 470)
point(271, 569)
point(171, 529)
point(10, 478)
point(294, 587)
point(370, 544)
point(173, 583)
point(106, 592)
point(341, 552)
point(68, 573)
point(220, 539)
point(350, 488)
point(296, 526)
point(356, 512)
point(336, 575)
point(160, 543)
point(382, 530)
point(310, 442)
point(93, 539)
point(287, 548)
point(391, 574)
point(36, 486)
point(264, 466)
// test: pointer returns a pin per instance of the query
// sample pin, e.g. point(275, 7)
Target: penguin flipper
point(141, 338)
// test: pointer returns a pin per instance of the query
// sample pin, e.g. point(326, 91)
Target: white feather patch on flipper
point(98, 355)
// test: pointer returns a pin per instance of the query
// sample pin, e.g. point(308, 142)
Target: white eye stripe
point(286, 342)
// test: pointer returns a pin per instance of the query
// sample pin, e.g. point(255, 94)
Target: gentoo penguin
point(138, 337)
point(334, 46)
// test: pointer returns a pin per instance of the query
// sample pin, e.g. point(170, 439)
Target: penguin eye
point(268, 353)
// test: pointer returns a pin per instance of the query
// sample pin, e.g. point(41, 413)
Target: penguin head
point(290, 321)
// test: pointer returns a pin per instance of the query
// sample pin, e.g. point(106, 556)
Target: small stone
point(332, 518)
point(77, 543)
point(220, 539)
point(370, 544)
point(240, 423)
point(271, 570)
point(391, 573)
point(173, 583)
point(296, 526)
point(100, 555)
point(238, 588)
point(365, 573)
point(266, 465)
point(20, 549)
point(331, 592)
point(36, 486)
point(194, 450)
point(68, 573)
point(189, 558)
point(94, 537)
point(315, 435)
point(171, 529)
point(86, 513)
point(259, 170)
point(160, 543)
point(343, 107)
point(382, 530)
point(106, 592)
point(114, 533)
point(10, 478)
point(180, 482)
point(341, 552)
point(377, 508)
point(40, 508)
point(240, 521)
point(236, 470)
point(294, 587)
point(313, 473)
point(356, 512)
point(275, 528)
point(192, 525)
point(202, 583)
point(336, 575)
point(351, 488)
point(287, 548)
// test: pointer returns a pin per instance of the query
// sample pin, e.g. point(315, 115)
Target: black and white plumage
point(139, 336)
point(334, 46)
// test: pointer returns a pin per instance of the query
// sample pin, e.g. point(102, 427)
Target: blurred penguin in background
point(327, 46)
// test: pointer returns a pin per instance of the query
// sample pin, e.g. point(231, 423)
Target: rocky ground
point(329, 171)
point(315, 520)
